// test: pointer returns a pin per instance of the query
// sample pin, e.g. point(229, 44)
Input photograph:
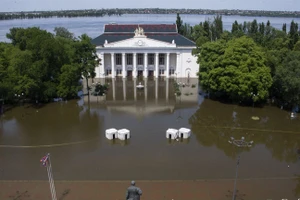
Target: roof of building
point(160, 32)
point(148, 28)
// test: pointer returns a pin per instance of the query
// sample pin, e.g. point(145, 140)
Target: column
point(145, 65)
point(114, 89)
point(101, 66)
point(168, 65)
point(167, 90)
point(134, 73)
point(177, 65)
point(156, 65)
point(146, 90)
point(156, 89)
point(123, 65)
point(134, 88)
point(113, 72)
point(124, 89)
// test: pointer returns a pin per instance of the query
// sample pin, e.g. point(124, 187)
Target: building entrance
point(129, 73)
point(150, 73)
point(140, 73)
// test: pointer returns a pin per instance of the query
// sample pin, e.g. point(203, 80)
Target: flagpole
point(47, 163)
point(51, 186)
point(52, 180)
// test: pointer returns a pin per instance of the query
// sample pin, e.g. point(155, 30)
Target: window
point(108, 72)
point(151, 59)
point(172, 72)
point(140, 59)
point(119, 72)
point(161, 59)
point(118, 59)
point(129, 59)
point(161, 72)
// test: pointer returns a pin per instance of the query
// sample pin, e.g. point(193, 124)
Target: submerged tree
point(287, 80)
point(87, 58)
point(235, 70)
point(43, 66)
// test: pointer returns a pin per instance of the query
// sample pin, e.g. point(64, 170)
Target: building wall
point(107, 61)
point(187, 62)
point(173, 61)
point(188, 65)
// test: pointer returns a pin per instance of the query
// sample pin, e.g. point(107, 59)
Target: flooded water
point(74, 133)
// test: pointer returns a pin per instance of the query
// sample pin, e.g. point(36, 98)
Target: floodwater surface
point(73, 133)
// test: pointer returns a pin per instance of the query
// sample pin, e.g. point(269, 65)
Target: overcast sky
point(31, 5)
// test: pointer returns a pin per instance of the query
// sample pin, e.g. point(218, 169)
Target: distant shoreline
point(120, 12)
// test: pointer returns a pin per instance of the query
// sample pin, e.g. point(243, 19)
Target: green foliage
point(235, 69)
point(63, 32)
point(44, 66)
point(69, 81)
point(287, 79)
point(179, 24)
point(177, 89)
point(86, 58)
point(233, 66)
point(100, 89)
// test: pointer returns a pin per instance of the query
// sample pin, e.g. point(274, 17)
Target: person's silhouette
point(133, 192)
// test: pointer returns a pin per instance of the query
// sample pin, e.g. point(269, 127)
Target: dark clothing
point(133, 193)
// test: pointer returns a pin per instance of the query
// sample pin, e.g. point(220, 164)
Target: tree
point(44, 66)
point(207, 30)
point(284, 27)
point(63, 32)
point(235, 27)
point(86, 58)
point(293, 34)
point(218, 27)
point(262, 28)
point(69, 81)
point(235, 70)
point(200, 36)
point(287, 81)
point(187, 30)
point(297, 46)
point(254, 27)
point(179, 24)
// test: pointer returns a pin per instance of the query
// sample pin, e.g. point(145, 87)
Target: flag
point(44, 160)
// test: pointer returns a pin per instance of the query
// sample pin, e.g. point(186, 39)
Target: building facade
point(146, 50)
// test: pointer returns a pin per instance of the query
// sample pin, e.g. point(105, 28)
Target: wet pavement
point(160, 190)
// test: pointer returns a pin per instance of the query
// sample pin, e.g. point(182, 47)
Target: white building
point(148, 50)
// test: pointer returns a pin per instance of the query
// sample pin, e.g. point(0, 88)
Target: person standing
point(133, 192)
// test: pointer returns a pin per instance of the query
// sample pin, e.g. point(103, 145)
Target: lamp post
point(240, 143)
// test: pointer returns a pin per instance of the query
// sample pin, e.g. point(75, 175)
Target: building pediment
point(139, 41)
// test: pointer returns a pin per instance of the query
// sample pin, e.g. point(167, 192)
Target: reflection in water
point(213, 126)
point(119, 142)
point(179, 141)
point(148, 114)
point(55, 123)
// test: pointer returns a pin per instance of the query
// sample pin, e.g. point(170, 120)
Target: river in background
point(93, 26)
point(75, 134)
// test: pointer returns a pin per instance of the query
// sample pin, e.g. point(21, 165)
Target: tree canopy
point(235, 69)
point(41, 66)
point(253, 62)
